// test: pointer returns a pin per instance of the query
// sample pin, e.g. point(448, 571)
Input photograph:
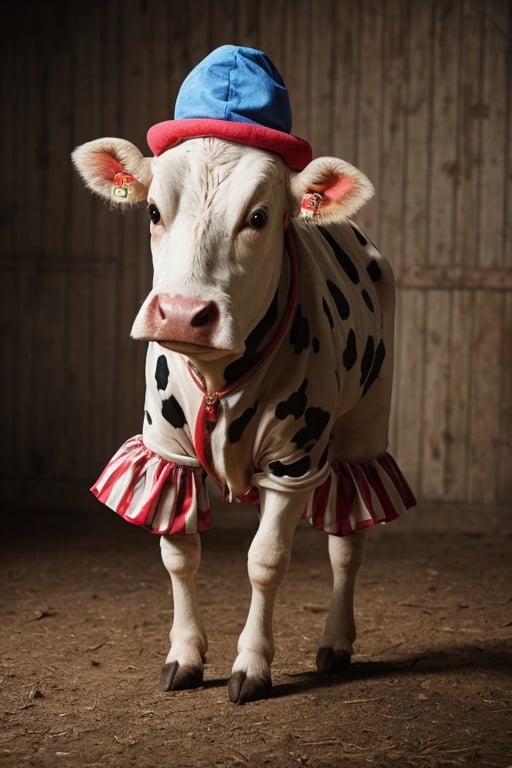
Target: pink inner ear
point(336, 187)
point(342, 187)
point(110, 166)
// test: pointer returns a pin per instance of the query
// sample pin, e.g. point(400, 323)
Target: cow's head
point(217, 211)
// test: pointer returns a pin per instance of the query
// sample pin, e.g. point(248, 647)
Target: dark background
point(417, 93)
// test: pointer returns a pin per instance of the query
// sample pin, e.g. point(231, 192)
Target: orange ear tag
point(310, 204)
point(122, 183)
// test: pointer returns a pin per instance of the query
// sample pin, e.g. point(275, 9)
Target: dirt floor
point(85, 613)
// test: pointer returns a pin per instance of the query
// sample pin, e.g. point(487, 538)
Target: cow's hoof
point(176, 678)
point(331, 662)
point(242, 688)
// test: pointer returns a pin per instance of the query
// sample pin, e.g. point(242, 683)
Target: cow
point(269, 331)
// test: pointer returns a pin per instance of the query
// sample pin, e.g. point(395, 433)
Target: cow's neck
point(265, 332)
point(219, 376)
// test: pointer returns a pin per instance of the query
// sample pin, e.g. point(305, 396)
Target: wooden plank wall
point(417, 93)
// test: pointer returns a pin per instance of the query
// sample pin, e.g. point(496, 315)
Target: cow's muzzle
point(166, 318)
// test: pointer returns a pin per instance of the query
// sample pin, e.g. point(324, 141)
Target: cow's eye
point(154, 213)
point(258, 219)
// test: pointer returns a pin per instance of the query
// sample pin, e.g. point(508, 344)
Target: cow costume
point(312, 373)
point(267, 429)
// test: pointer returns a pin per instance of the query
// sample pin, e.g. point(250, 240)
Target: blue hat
point(235, 93)
point(239, 84)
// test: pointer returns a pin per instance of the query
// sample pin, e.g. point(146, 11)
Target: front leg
point(181, 555)
point(268, 558)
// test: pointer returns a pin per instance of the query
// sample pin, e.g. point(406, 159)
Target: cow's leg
point(181, 555)
point(268, 559)
point(358, 436)
point(335, 649)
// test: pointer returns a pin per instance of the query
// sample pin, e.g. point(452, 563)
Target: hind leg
point(360, 435)
point(335, 649)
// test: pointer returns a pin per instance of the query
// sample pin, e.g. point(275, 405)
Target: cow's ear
point(114, 169)
point(329, 190)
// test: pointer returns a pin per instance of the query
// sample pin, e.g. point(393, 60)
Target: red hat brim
point(295, 152)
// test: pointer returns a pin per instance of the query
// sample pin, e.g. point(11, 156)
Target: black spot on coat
point(342, 304)
point(374, 271)
point(316, 421)
point(350, 353)
point(367, 299)
point(173, 412)
point(296, 469)
point(162, 372)
point(236, 428)
point(239, 367)
point(295, 405)
point(148, 417)
point(265, 325)
point(380, 354)
point(342, 257)
point(327, 311)
point(362, 239)
point(299, 332)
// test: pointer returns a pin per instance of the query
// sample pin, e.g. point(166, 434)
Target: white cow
point(269, 367)
point(270, 355)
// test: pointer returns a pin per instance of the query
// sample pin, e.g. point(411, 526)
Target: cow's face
point(217, 213)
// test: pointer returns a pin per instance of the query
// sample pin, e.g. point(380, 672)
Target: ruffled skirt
point(356, 496)
point(168, 498)
point(147, 490)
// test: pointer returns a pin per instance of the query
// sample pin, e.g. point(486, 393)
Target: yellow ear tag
point(122, 183)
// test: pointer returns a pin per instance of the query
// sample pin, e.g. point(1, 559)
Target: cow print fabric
point(278, 423)
point(171, 409)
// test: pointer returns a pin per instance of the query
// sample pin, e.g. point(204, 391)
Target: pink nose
point(180, 318)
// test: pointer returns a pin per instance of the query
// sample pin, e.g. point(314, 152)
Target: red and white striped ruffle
point(356, 496)
point(147, 490)
point(168, 498)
